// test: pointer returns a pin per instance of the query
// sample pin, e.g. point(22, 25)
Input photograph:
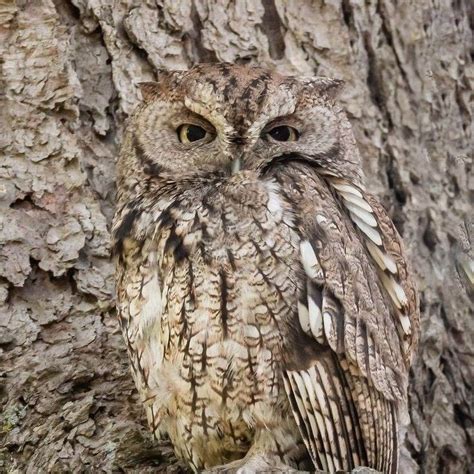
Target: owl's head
point(216, 120)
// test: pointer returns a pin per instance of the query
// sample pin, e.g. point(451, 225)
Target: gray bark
point(68, 82)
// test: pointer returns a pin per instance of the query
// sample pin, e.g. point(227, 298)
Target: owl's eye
point(284, 133)
point(188, 133)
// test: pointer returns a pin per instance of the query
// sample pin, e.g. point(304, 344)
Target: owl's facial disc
point(218, 120)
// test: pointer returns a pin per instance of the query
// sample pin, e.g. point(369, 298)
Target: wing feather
point(325, 422)
point(351, 419)
point(314, 295)
point(311, 434)
point(323, 378)
point(358, 285)
point(139, 310)
point(314, 406)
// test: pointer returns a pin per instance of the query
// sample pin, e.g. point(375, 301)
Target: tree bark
point(69, 74)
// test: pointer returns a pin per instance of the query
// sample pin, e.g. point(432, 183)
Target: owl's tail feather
point(345, 422)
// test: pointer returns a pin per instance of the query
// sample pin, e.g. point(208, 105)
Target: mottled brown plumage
point(263, 293)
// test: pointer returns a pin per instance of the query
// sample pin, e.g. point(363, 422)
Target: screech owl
point(263, 293)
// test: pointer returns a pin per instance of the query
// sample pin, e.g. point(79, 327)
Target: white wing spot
point(344, 187)
point(367, 217)
point(309, 260)
point(329, 330)
point(383, 260)
point(406, 324)
point(303, 316)
point(395, 291)
point(356, 201)
point(370, 232)
point(315, 320)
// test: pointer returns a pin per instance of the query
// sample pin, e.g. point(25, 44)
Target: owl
point(263, 293)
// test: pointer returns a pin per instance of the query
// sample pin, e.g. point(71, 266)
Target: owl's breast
point(230, 263)
point(230, 272)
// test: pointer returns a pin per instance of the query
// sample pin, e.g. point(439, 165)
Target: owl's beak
point(236, 165)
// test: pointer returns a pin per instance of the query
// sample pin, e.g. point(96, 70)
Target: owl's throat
point(236, 165)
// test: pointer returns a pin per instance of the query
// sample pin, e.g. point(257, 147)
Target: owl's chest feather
point(228, 271)
point(229, 263)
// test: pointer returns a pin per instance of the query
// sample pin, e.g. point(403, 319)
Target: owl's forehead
point(233, 79)
point(240, 96)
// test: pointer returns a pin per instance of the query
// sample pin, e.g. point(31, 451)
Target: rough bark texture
point(68, 82)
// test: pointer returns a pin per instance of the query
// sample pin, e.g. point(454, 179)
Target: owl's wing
point(359, 315)
point(139, 309)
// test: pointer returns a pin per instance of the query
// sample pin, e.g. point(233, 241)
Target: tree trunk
point(69, 75)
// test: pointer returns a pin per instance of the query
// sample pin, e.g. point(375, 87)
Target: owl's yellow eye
point(284, 133)
point(188, 133)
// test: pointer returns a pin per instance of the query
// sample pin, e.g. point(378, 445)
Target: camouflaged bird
point(263, 293)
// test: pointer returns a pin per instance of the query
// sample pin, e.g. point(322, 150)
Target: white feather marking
point(329, 330)
point(406, 324)
point(315, 320)
point(301, 389)
point(376, 254)
point(467, 264)
point(289, 391)
point(357, 201)
point(345, 188)
point(297, 396)
point(402, 297)
point(251, 332)
point(370, 232)
point(309, 260)
point(367, 217)
point(303, 316)
point(134, 308)
point(270, 241)
point(320, 430)
point(388, 284)
point(151, 310)
point(320, 219)
point(190, 239)
point(274, 203)
point(382, 259)
point(288, 219)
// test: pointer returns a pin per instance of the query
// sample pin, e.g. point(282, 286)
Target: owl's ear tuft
point(149, 90)
point(166, 76)
point(166, 81)
point(326, 86)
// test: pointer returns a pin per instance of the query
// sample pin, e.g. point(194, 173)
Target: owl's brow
point(213, 115)
point(206, 98)
point(283, 109)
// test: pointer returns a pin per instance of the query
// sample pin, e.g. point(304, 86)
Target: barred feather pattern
point(267, 311)
point(213, 382)
point(356, 304)
point(219, 305)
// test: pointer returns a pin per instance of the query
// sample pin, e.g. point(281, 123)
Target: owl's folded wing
point(360, 314)
point(139, 307)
